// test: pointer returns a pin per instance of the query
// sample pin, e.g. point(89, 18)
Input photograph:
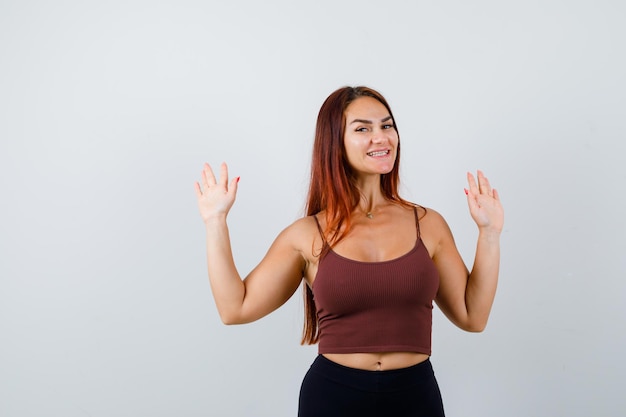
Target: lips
point(378, 153)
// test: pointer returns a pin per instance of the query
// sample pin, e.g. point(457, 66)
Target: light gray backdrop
point(109, 109)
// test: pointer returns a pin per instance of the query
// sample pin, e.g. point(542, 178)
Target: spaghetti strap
point(417, 221)
point(325, 246)
point(319, 228)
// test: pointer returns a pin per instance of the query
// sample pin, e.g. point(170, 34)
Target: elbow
point(229, 319)
point(475, 327)
point(232, 319)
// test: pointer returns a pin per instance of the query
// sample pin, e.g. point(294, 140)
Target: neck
point(371, 195)
point(371, 202)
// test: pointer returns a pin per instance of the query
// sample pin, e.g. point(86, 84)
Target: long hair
point(333, 188)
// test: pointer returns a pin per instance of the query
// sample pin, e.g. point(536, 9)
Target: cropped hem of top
point(368, 307)
point(379, 349)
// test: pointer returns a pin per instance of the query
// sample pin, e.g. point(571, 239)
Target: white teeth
point(379, 153)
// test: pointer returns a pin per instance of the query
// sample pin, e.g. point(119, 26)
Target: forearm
point(482, 283)
point(226, 284)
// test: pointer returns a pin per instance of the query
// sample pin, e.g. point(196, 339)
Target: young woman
point(370, 262)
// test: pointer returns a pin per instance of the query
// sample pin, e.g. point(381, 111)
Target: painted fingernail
point(238, 178)
point(466, 192)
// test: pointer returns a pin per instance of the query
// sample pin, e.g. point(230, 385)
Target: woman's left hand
point(484, 203)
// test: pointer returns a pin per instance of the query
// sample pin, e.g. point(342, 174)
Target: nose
point(379, 136)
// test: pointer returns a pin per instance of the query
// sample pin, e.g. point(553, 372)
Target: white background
point(109, 109)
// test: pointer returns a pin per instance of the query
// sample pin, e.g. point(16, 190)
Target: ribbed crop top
point(376, 306)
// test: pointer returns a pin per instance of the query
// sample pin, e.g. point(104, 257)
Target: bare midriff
point(380, 361)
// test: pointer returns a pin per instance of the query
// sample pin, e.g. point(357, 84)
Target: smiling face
point(370, 137)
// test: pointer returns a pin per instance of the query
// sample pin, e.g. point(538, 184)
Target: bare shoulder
point(303, 227)
point(434, 229)
point(429, 217)
point(302, 235)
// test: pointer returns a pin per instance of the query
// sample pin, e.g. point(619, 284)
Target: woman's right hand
point(215, 197)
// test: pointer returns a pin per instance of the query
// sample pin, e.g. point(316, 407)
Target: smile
point(378, 153)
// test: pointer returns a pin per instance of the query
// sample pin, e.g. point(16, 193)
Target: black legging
point(333, 390)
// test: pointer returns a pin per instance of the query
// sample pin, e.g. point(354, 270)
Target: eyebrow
point(369, 122)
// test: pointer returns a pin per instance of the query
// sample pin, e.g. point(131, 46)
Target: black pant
point(333, 390)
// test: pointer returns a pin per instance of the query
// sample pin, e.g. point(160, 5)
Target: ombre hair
point(333, 187)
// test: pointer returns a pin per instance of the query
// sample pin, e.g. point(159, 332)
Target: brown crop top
point(376, 306)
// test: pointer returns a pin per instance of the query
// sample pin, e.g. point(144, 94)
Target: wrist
point(489, 234)
point(215, 220)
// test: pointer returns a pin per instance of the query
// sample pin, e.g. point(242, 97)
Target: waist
point(377, 361)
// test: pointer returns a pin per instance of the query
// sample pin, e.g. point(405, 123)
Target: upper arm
point(453, 274)
point(275, 279)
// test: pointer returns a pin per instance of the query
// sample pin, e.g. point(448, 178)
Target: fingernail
point(466, 192)
point(238, 178)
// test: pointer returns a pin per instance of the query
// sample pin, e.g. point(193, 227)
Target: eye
point(388, 126)
point(360, 129)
